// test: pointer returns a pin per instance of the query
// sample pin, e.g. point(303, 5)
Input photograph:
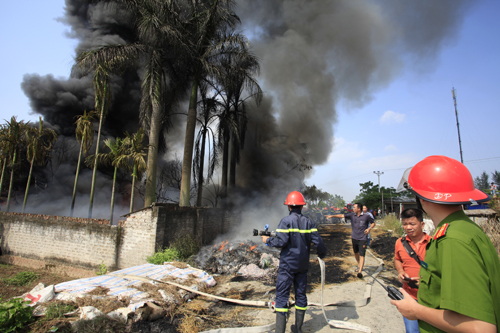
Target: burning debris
point(246, 259)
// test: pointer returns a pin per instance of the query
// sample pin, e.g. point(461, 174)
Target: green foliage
point(103, 269)
point(321, 199)
point(482, 182)
point(391, 223)
point(57, 310)
point(14, 314)
point(181, 248)
point(99, 324)
point(371, 197)
point(169, 254)
point(21, 279)
point(186, 246)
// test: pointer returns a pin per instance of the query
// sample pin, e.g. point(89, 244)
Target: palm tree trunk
point(11, 181)
point(76, 178)
point(232, 164)
point(154, 138)
point(225, 160)
point(187, 160)
point(113, 197)
point(28, 184)
point(200, 172)
point(134, 175)
point(95, 161)
point(3, 172)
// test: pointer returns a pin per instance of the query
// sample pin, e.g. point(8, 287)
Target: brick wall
point(59, 240)
point(86, 243)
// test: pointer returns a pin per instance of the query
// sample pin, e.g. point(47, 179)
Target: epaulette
point(441, 231)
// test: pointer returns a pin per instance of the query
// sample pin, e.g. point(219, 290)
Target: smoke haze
point(314, 55)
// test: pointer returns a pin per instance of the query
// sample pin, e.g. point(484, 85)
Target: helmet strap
point(419, 204)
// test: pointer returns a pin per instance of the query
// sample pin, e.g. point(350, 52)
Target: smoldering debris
point(245, 259)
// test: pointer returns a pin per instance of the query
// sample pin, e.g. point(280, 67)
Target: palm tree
point(237, 76)
point(136, 153)
point(84, 135)
point(156, 51)
point(208, 115)
point(4, 155)
point(14, 141)
point(117, 157)
point(39, 142)
point(207, 42)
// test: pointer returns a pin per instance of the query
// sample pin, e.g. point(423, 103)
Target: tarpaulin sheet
point(121, 287)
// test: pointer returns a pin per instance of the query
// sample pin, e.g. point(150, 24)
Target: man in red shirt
point(407, 265)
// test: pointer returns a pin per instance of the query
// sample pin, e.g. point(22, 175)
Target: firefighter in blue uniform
point(294, 235)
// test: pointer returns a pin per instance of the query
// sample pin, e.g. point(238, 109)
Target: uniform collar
point(458, 215)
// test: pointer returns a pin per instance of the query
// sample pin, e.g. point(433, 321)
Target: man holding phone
point(409, 253)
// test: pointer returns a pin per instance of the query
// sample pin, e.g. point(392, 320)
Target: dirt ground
point(203, 313)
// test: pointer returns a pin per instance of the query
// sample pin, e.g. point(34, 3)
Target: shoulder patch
point(441, 231)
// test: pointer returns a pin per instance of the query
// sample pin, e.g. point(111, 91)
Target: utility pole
point(379, 173)
point(453, 93)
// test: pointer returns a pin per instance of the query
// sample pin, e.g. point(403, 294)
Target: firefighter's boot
point(299, 320)
point(280, 322)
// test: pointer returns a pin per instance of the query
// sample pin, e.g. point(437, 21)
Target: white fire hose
point(266, 328)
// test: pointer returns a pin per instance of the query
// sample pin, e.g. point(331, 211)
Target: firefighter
point(294, 236)
point(459, 289)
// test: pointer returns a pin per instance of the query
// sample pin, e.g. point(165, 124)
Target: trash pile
point(124, 295)
point(246, 259)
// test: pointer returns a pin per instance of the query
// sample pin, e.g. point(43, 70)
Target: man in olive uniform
point(459, 288)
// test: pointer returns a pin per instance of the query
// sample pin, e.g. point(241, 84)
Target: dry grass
point(179, 264)
point(492, 229)
point(99, 291)
point(105, 305)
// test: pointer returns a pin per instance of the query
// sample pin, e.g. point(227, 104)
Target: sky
point(413, 117)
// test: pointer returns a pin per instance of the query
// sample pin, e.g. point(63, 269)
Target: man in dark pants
point(294, 235)
point(361, 224)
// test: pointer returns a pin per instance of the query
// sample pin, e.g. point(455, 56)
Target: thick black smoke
point(314, 54)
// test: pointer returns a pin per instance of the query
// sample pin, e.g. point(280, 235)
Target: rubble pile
point(247, 258)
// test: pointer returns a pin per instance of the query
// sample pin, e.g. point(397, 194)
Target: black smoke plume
point(313, 54)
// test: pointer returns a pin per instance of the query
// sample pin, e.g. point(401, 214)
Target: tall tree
point(206, 43)
point(117, 157)
point(136, 154)
point(39, 141)
point(496, 177)
point(235, 79)
point(4, 152)
point(85, 136)
point(15, 139)
point(208, 114)
point(157, 50)
point(482, 182)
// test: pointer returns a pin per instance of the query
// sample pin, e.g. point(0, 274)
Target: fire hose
point(266, 328)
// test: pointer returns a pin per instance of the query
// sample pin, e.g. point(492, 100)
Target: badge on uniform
point(441, 231)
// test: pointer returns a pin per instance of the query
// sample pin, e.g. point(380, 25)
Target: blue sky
point(410, 119)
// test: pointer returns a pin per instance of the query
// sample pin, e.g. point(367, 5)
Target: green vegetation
point(14, 314)
point(391, 223)
point(315, 197)
point(181, 248)
point(21, 279)
point(57, 310)
point(103, 269)
point(371, 196)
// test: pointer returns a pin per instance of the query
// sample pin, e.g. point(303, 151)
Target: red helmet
point(443, 180)
point(295, 198)
point(326, 208)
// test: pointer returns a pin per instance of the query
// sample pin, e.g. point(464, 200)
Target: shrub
point(186, 246)
point(14, 314)
point(57, 310)
point(102, 269)
point(169, 254)
point(391, 223)
point(21, 279)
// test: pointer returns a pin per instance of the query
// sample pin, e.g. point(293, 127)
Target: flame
point(251, 248)
point(223, 244)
